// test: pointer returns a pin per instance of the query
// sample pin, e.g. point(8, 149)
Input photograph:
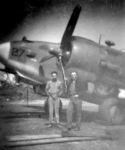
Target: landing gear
point(46, 106)
point(112, 111)
point(40, 89)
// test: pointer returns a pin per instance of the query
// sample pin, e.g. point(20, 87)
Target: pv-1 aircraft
point(102, 67)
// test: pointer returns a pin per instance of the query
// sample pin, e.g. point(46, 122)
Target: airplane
point(101, 67)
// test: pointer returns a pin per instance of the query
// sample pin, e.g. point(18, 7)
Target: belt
point(75, 96)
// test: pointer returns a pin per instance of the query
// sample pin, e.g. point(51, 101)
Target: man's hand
point(65, 79)
point(54, 95)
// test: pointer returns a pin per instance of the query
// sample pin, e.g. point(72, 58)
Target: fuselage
point(93, 62)
point(97, 62)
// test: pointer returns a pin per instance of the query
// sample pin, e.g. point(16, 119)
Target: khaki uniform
point(54, 90)
point(75, 103)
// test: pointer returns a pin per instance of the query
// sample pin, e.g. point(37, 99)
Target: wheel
point(40, 89)
point(112, 111)
point(46, 106)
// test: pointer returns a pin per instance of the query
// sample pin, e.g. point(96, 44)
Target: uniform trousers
point(53, 106)
point(75, 104)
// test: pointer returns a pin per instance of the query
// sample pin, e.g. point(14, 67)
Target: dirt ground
point(17, 119)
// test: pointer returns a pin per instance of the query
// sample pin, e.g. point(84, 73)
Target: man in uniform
point(54, 89)
point(75, 101)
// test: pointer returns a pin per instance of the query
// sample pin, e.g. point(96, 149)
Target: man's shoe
point(49, 126)
point(59, 126)
point(69, 128)
point(77, 129)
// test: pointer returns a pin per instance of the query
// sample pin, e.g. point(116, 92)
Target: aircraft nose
point(4, 52)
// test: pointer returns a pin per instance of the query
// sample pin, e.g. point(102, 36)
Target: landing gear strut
point(40, 89)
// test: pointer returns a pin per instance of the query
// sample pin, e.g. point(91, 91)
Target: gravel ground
point(31, 120)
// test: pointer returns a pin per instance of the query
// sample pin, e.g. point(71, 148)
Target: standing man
point(75, 102)
point(54, 89)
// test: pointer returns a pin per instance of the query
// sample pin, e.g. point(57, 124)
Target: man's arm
point(47, 88)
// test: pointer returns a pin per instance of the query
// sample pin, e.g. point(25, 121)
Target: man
point(54, 89)
point(75, 102)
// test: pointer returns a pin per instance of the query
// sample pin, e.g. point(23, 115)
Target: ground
point(22, 118)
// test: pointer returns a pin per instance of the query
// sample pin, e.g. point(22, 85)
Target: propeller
point(64, 52)
point(70, 28)
point(46, 58)
point(65, 45)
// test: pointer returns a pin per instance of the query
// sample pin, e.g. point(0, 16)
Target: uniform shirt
point(76, 88)
point(53, 87)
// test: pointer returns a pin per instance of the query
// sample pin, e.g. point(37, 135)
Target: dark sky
point(46, 19)
point(13, 12)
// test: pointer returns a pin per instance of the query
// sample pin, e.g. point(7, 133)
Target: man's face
point(54, 76)
point(73, 75)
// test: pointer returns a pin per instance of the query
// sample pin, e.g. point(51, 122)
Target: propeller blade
point(63, 72)
point(65, 46)
point(70, 27)
point(46, 58)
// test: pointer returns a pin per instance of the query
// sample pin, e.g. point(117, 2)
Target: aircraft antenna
point(100, 38)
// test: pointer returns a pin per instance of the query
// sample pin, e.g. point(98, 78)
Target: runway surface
point(19, 119)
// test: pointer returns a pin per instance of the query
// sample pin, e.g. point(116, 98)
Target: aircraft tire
point(46, 106)
point(111, 111)
point(39, 89)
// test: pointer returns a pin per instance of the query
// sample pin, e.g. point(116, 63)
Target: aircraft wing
point(41, 80)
